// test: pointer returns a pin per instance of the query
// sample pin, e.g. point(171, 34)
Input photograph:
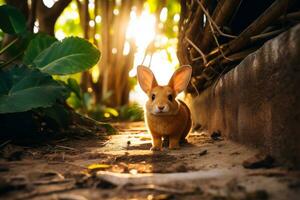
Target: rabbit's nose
point(161, 107)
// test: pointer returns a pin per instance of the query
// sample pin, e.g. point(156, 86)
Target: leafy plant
point(39, 43)
point(72, 55)
point(33, 83)
point(131, 112)
point(22, 89)
point(83, 102)
point(30, 86)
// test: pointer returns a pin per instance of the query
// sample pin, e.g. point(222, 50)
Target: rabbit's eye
point(153, 97)
point(170, 97)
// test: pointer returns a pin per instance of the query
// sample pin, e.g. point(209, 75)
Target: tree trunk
point(114, 66)
point(48, 16)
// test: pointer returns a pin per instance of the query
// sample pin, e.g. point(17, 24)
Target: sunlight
point(116, 11)
point(126, 49)
point(69, 22)
point(141, 29)
point(161, 61)
point(145, 35)
point(36, 26)
point(59, 34)
point(163, 14)
point(161, 67)
point(91, 23)
point(97, 36)
point(98, 19)
point(176, 17)
point(91, 5)
point(49, 3)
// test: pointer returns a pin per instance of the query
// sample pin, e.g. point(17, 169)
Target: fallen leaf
point(98, 166)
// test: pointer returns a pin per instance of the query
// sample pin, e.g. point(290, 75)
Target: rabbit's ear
point(146, 78)
point(180, 79)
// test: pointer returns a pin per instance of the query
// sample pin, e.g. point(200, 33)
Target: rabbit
point(165, 116)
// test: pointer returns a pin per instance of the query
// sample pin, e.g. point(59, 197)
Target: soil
point(121, 166)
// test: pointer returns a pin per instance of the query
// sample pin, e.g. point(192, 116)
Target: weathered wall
point(258, 102)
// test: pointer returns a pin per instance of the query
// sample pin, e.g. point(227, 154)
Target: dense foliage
point(26, 84)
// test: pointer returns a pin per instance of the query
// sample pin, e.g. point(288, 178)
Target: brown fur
point(176, 127)
point(165, 116)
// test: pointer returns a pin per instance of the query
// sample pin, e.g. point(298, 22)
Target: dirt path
point(124, 168)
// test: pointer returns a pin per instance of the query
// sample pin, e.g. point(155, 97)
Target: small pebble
point(202, 153)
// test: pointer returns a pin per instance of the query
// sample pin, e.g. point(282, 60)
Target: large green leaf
point(11, 20)
point(22, 89)
point(38, 44)
point(70, 56)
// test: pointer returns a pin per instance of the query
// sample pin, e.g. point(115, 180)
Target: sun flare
point(141, 29)
point(162, 61)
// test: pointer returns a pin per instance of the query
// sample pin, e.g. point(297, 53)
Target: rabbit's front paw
point(155, 148)
point(174, 147)
point(174, 142)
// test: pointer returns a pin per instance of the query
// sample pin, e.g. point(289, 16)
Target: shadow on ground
point(122, 167)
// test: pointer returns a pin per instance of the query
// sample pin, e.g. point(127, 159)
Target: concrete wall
point(258, 102)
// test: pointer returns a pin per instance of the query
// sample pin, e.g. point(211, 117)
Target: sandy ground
point(123, 167)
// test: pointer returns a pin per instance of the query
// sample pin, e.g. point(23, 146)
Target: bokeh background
point(128, 33)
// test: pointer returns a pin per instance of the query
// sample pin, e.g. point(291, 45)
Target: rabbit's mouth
point(160, 112)
point(163, 113)
point(161, 109)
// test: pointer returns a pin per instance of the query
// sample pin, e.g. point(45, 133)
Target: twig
point(290, 16)
point(216, 40)
point(5, 143)
point(239, 56)
point(213, 22)
point(193, 85)
point(11, 60)
point(146, 52)
point(157, 188)
point(150, 59)
point(195, 88)
point(62, 140)
point(273, 12)
point(197, 49)
point(9, 45)
point(265, 35)
point(64, 147)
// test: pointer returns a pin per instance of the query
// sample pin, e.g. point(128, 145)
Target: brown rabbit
point(165, 116)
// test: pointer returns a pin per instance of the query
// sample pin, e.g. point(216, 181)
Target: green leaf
point(111, 111)
point(58, 113)
point(22, 89)
point(70, 56)
point(98, 166)
point(74, 86)
point(20, 46)
point(109, 128)
point(74, 102)
point(12, 21)
point(36, 46)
